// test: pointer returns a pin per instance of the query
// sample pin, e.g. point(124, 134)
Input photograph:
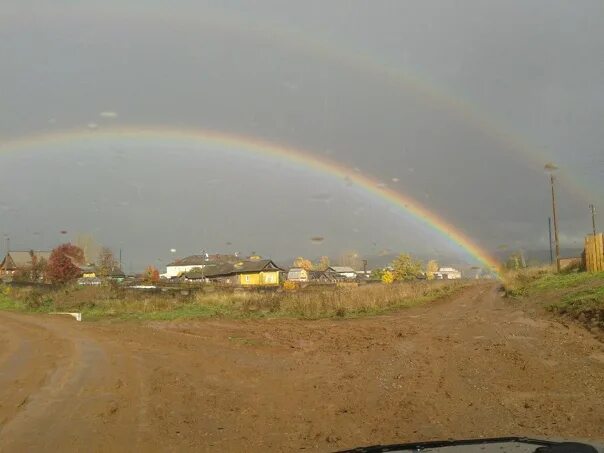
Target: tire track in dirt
point(24, 367)
point(79, 396)
point(468, 366)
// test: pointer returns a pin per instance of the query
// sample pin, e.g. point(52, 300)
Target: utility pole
point(551, 252)
point(551, 176)
point(593, 218)
point(121, 269)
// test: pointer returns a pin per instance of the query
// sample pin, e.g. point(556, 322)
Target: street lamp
point(551, 169)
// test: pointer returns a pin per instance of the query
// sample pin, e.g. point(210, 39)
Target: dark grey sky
point(335, 78)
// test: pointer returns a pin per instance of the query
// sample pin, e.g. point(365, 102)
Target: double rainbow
point(304, 159)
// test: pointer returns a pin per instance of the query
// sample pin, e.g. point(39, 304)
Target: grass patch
point(9, 304)
point(579, 295)
point(582, 301)
point(97, 303)
point(560, 281)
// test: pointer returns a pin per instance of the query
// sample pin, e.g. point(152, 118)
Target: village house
point(254, 272)
point(181, 266)
point(447, 273)
point(321, 277)
point(298, 274)
point(22, 261)
point(88, 271)
point(342, 272)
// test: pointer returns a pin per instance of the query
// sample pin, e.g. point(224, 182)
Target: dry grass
point(113, 302)
point(516, 282)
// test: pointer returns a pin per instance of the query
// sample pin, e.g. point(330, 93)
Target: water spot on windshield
point(290, 85)
point(322, 196)
point(108, 114)
point(395, 180)
point(92, 126)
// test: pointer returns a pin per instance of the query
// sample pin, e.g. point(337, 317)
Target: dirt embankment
point(470, 366)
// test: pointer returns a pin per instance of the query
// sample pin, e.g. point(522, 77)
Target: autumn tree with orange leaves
point(303, 263)
point(64, 263)
point(151, 274)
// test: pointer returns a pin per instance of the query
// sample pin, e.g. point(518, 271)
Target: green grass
point(581, 301)
point(9, 304)
point(185, 311)
point(560, 281)
point(578, 294)
point(111, 303)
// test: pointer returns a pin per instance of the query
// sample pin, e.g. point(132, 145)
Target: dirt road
point(467, 367)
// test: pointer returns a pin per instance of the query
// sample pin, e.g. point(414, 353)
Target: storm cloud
point(456, 105)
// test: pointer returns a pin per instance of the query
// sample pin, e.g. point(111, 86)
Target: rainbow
point(254, 146)
point(320, 47)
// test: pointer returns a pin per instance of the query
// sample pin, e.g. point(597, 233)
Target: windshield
point(278, 225)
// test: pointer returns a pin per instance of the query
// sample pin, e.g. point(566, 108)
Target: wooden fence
point(594, 253)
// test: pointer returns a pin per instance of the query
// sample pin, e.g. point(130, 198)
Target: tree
point(106, 261)
point(352, 259)
point(514, 261)
point(405, 267)
point(322, 264)
point(431, 269)
point(38, 267)
point(151, 274)
point(387, 277)
point(63, 264)
point(89, 246)
point(377, 273)
point(303, 263)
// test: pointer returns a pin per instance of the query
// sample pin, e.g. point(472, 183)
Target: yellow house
point(88, 271)
point(256, 273)
point(252, 272)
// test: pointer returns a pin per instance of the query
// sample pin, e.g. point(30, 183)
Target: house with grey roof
point(342, 272)
point(23, 261)
point(182, 266)
point(252, 272)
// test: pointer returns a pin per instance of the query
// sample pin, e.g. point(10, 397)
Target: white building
point(181, 266)
point(343, 272)
point(297, 274)
point(447, 273)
